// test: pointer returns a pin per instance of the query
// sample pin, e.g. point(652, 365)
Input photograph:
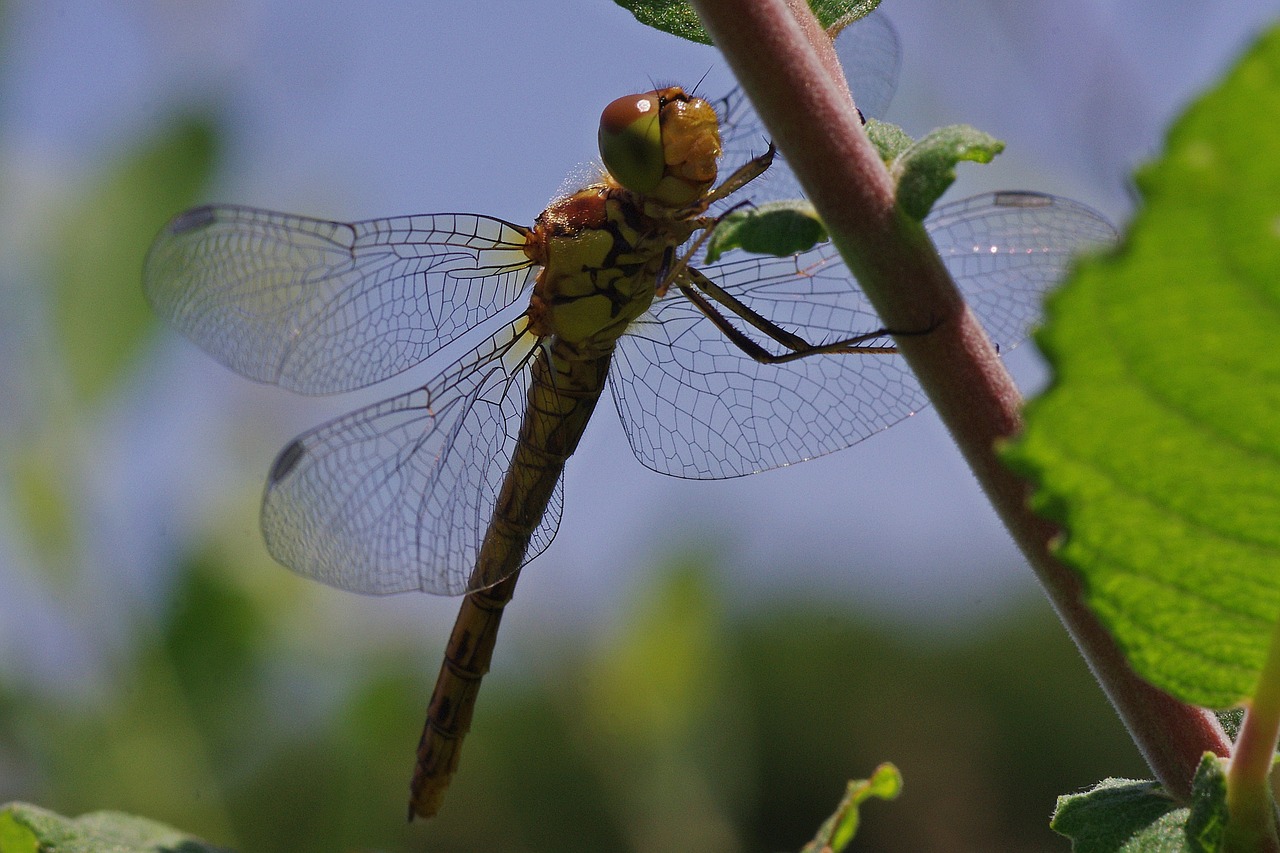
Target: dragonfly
point(716, 369)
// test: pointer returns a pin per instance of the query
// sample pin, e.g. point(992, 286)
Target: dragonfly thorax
point(605, 250)
point(602, 258)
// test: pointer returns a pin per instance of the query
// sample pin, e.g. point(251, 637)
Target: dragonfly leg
point(745, 174)
point(673, 270)
point(697, 288)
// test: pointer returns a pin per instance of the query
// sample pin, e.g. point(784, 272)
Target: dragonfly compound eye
point(631, 141)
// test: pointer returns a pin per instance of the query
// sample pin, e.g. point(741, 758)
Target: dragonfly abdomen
point(453, 701)
point(562, 395)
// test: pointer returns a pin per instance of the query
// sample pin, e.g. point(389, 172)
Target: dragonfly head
point(662, 144)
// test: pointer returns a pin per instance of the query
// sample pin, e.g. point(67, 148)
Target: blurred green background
point(710, 696)
point(682, 728)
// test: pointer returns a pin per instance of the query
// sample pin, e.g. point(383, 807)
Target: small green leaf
point(1158, 446)
point(25, 828)
point(780, 228)
point(889, 139)
point(671, 16)
point(1206, 827)
point(97, 257)
point(838, 830)
point(1122, 816)
point(678, 17)
point(925, 170)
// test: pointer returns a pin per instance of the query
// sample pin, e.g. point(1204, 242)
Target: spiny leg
point(743, 175)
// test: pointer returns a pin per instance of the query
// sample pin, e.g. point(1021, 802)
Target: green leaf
point(925, 169)
point(1157, 448)
point(678, 18)
point(97, 257)
point(1122, 816)
point(889, 139)
point(780, 228)
point(838, 830)
point(1206, 827)
point(25, 828)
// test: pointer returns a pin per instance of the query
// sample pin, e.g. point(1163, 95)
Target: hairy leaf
point(24, 827)
point(779, 228)
point(925, 169)
point(678, 18)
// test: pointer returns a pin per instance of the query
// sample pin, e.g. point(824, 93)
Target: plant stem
point(1250, 804)
point(784, 62)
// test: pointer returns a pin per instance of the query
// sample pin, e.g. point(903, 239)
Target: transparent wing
point(694, 405)
point(320, 307)
point(1007, 249)
point(398, 496)
point(871, 55)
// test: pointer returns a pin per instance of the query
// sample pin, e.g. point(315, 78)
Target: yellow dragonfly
point(717, 370)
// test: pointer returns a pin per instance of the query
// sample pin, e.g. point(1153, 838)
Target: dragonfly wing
point(694, 405)
point(398, 496)
point(1005, 250)
point(321, 307)
point(871, 55)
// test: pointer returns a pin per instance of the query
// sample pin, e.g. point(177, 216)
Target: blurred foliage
point(98, 251)
point(687, 725)
point(1158, 446)
point(99, 323)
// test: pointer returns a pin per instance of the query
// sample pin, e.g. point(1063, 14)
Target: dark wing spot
point(1022, 199)
point(286, 461)
point(190, 220)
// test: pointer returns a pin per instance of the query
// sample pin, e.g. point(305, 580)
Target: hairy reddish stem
point(777, 51)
